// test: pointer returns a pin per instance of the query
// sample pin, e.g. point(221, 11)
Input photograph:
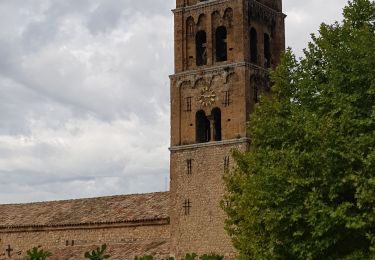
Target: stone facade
point(223, 50)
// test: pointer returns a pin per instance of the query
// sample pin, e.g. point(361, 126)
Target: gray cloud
point(84, 93)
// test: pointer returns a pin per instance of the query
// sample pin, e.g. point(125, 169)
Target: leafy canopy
point(306, 188)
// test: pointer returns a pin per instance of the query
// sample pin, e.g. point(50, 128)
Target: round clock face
point(207, 97)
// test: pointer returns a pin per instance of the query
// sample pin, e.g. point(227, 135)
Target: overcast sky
point(84, 93)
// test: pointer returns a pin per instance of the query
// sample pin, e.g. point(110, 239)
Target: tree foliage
point(306, 188)
point(192, 256)
point(36, 254)
point(98, 254)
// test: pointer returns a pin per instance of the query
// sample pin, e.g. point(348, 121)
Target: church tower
point(223, 50)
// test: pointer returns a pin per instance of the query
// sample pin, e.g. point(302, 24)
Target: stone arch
point(215, 19)
point(231, 77)
point(228, 17)
point(190, 26)
point(184, 84)
point(190, 41)
point(202, 22)
point(228, 22)
point(216, 81)
point(199, 83)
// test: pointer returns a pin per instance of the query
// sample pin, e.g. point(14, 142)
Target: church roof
point(135, 208)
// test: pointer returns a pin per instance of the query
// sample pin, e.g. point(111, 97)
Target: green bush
point(211, 257)
point(98, 254)
point(36, 254)
point(192, 256)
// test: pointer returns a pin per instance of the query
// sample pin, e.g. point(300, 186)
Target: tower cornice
point(207, 4)
point(241, 140)
point(199, 5)
point(221, 67)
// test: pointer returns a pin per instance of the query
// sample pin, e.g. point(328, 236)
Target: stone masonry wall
point(70, 243)
point(200, 228)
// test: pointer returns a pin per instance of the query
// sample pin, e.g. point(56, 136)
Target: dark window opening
point(221, 43)
point(203, 130)
point(253, 46)
point(216, 115)
point(201, 49)
point(267, 51)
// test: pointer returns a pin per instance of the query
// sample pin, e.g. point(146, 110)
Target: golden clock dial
point(207, 97)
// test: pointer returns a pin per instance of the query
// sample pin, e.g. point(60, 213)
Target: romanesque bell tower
point(223, 50)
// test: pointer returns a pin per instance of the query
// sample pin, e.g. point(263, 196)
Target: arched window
point(203, 130)
point(216, 115)
point(267, 51)
point(253, 46)
point(221, 43)
point(201, 52)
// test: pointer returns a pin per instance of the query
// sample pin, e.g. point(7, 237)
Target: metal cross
point(9, 251)
point(187, 206)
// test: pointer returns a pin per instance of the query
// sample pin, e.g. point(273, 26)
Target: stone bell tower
point(223, 50)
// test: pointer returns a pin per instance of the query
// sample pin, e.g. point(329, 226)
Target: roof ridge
point(88, 198)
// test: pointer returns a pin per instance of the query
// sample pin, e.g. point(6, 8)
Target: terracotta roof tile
point(114, 209)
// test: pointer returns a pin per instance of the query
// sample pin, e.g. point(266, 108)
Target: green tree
point(36, 254)
point(98, 254)
point(306, 188)
point(211, 257)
